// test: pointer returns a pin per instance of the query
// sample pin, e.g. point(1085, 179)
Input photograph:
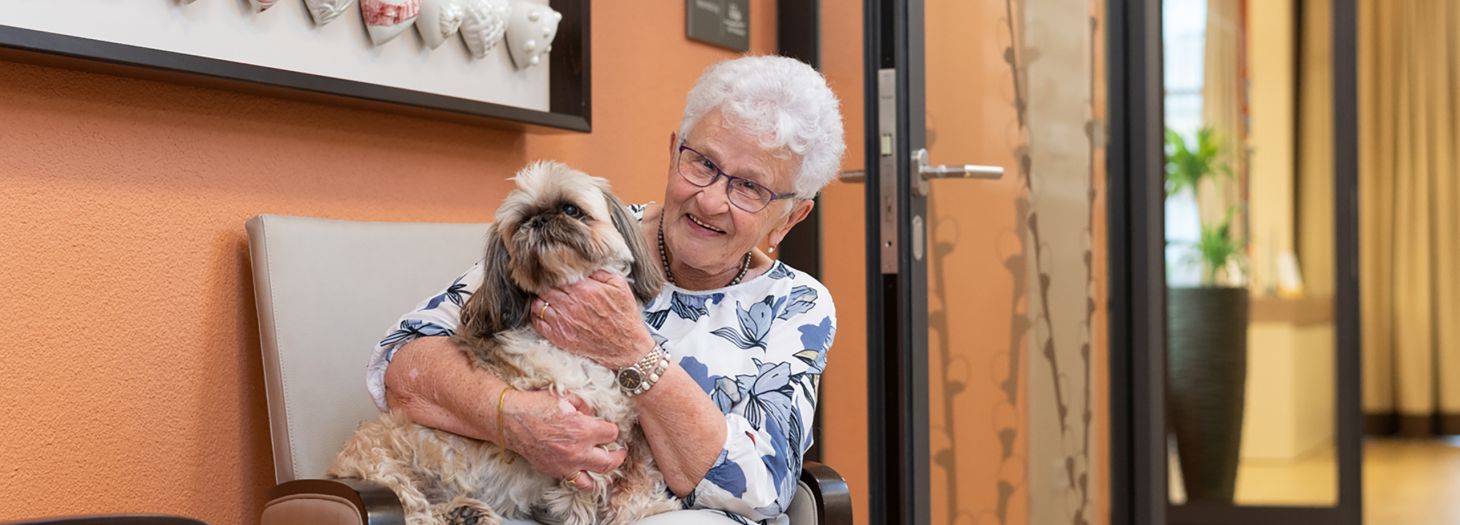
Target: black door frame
point(798, 35)
point(1135, 199)
point(897, 364)
point(1137, 281)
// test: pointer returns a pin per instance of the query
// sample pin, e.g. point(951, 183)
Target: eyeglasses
point(744, 193)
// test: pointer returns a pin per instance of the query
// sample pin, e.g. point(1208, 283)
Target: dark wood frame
point(570, 93)
point(375, 504)
point(1137, 282)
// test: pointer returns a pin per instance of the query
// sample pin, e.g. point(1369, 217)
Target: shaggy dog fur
point(556, 228)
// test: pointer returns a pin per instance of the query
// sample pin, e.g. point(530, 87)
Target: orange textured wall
point(844, 387)
point(131, 380)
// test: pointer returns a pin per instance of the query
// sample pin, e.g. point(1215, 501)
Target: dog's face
point(557, 227)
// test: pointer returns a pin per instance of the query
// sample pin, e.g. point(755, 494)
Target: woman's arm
point(418, 369)
point(431, 380)
point(685, 429)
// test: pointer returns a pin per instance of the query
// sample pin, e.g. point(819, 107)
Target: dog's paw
point(466, 511)
point(465, 516)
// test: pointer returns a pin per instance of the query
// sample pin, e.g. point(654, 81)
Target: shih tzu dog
point(557, 227)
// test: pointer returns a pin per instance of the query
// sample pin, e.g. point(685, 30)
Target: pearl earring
point(773, 249)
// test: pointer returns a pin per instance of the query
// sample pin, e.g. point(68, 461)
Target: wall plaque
point(724, 23)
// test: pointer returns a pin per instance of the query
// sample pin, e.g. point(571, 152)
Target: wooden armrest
point(831, 492)
point(376, 504)
point(117, 519)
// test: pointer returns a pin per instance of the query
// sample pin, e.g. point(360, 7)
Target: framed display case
point(287, 48)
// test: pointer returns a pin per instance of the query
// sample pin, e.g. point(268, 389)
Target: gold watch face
point(630, 378)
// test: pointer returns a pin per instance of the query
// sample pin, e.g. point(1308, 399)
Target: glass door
point(1234, 292)
point(985, 224)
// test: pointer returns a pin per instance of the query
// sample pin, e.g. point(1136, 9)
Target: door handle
point(926, 173)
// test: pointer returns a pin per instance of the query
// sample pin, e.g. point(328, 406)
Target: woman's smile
point(701, 227)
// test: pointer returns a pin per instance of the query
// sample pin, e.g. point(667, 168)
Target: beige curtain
point(1315, 150)
point(1222, 106)
point(1409, 105)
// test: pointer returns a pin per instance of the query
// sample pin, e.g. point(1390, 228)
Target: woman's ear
point(498, 305)
point(798, 213)
point(645, 278)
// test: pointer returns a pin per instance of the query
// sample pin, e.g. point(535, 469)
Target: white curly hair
point(782, 102)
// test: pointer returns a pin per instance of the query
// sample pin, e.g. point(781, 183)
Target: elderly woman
point(748, 335)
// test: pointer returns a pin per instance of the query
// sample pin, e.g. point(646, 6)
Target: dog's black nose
point(536, 221)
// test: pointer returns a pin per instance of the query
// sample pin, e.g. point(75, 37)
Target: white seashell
point(325, 11)
point(438, 21)
point(531, 29)
point(387, 19)
point(483, 23)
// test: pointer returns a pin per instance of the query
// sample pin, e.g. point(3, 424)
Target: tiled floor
point(1411, 482)
point(1311, 481)
point(1406, 482)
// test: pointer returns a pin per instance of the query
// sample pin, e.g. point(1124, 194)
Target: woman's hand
point(597, 318)
point(559, 436)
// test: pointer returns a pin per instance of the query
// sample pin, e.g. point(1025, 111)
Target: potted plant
point(1206, 331)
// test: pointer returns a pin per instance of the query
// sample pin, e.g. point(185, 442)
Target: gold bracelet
point(502, 429)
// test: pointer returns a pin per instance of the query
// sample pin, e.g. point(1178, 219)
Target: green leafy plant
point(1217, 247)
point(1187, 167)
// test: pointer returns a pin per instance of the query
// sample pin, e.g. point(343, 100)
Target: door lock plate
point(887, 168)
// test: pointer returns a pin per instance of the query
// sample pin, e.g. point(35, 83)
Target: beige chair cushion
point(327, 291)
point(803, 507)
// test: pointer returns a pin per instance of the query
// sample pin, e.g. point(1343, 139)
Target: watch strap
point(639, 377)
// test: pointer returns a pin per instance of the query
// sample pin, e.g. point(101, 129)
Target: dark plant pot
point(1206, 384)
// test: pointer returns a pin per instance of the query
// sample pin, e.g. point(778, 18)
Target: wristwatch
point(639, 377)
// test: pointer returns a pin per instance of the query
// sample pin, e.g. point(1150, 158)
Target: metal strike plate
point(887, 168)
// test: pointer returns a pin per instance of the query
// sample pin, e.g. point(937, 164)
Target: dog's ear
point(645, 278)
point(498, 304)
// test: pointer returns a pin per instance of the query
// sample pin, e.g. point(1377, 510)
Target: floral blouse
point(757, 348)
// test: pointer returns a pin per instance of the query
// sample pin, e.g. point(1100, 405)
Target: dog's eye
point(572, 211)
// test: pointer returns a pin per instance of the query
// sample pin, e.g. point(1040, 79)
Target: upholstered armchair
point(326, 290)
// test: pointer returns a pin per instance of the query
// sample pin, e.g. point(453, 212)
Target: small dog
point(557, 227)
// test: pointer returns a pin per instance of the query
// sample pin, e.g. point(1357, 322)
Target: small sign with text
point(724, 23)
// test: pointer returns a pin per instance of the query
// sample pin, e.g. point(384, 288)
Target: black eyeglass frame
point(719, 173)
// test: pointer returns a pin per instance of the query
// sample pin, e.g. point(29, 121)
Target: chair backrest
point(327, 290)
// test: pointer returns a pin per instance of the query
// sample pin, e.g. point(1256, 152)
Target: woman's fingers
point(579, 404)
point(560, 436)
point(607, 277)
point(604, 461)
point(581, 481)
point(599, 432)
point(556, 296)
